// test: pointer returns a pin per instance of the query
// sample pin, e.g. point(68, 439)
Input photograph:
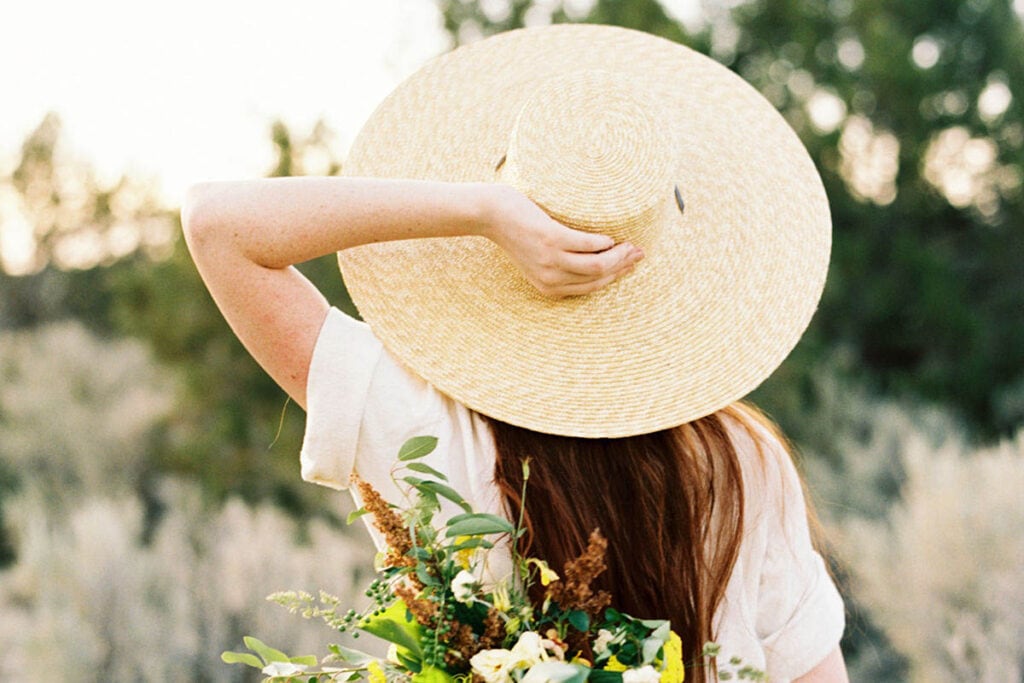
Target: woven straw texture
point(599, 125)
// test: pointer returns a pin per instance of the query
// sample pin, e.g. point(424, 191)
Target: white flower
point(550, 672)
point(645, 674)
point(492, 665)
point(283, 669)
point(529, 650)
point(464, 586)
point(604, 636)
point(553, 648)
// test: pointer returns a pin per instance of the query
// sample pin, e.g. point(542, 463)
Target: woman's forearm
point(277, 222)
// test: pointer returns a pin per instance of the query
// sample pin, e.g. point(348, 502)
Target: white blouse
point(781, 612)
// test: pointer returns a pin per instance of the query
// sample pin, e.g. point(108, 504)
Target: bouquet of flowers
point(444, 625)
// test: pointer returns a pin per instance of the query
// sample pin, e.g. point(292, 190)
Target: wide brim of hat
point(720, 300)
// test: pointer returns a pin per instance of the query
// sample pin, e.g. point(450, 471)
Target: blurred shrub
point(928, 531)
point(943, 572)
point(89, 600)
point(76, 411)
point(117, 572)
point(852, 441)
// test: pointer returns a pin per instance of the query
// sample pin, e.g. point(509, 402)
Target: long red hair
point(670, 504)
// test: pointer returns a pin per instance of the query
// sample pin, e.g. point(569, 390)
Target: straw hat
point(623, 133)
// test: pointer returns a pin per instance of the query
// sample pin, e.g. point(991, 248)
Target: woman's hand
point(559, 261)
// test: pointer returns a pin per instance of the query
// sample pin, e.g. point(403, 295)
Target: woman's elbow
point(199, 221)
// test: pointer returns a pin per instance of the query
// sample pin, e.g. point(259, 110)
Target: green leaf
point(448, 492)
point(602, 676)
point(268, 653)
point(427, 487)
point(241, 658)
point(350, 656)
point(308, 660)
point(406, 659)
point(478, 524)
point(419, 553)
point(356, 514)
point(580, 620)
point(651, 647)
point(426, 469)
point(417, 447)
point(396, 625)
point(425, 577)
point(465, 515)
point(431, 674)
point(428, 502)
point(472, 543)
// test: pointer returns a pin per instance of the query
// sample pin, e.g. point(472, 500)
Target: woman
point(679, 254)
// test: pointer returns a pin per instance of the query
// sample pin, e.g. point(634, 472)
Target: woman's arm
point(832, 669)
point(246, 236)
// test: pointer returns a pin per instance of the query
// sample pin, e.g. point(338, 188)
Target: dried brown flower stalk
point(423, 611)
point(573, 592)
point(388, 522)
point(462, 645)
point(494, 630)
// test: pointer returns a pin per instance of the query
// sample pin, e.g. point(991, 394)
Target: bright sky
point(186, 91)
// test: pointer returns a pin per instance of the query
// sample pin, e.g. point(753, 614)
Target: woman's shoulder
point(765, 454)
point(363, 404)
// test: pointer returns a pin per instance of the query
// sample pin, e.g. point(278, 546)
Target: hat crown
point(586, 149)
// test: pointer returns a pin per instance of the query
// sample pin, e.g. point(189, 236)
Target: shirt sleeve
point(361, 406)
point(800, 613)
point(340, 371)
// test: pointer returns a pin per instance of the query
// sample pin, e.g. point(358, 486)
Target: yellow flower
point(547, 574)
point(501, 599)
point(674, 671)
point(464, 557)
point(376, 673)
point(613, 664)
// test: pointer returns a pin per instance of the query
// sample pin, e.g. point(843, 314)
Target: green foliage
point(417, 447)
point(477, 524)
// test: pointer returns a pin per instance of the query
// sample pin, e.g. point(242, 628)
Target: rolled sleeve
point(813, 629)
point(340, 374)
point(800, 615)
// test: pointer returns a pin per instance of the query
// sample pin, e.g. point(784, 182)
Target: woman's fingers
point(569, 239)
point(597, 265)
point(574, 274)
point(594, 285)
